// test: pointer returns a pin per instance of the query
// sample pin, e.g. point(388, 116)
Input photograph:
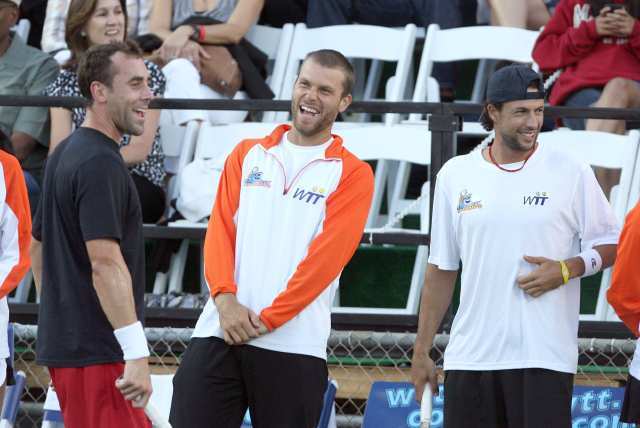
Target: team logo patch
point(537, 198)
point(310, 196)
point(466, 204)
point(255, 179)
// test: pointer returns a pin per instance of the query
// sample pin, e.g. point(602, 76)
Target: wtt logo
point(310, 197)
point(538, 198)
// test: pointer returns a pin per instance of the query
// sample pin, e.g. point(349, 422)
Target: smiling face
point(8, 18)
point(317, 99)
point(518, 123)
point(107, 23)
point(128, 97)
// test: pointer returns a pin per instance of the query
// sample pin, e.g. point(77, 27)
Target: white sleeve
point(596, 221)
point(443, 251)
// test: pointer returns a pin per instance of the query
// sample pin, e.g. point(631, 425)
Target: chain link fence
point(356, 360)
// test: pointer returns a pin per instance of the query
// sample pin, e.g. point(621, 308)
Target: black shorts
point(631, 405)
point(215, 384)
point(519, 398)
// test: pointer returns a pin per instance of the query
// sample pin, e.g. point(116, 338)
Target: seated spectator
point(24, 70)
point(94, 22)
point(529, 14)
point(53, 31)
point(392, 13)
point(182, 52)
point(598, 51)
point(34, 11)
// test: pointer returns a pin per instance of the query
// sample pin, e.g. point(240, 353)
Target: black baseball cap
point(511, 83)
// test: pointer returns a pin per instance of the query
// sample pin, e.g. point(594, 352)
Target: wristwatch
point(195, 33)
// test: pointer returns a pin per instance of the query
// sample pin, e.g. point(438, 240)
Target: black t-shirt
point(87, 194)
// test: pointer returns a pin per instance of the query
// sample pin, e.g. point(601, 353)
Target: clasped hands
point(547, 276)
point(614, 23)
point(239, 323)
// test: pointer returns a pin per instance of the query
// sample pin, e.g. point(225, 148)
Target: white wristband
point(592, 262)
point(132, 341)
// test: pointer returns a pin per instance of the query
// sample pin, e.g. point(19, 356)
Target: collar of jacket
point(333, 151)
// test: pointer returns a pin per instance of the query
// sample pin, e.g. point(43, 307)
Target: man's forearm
point(434, 302)
point(112, 283)
point(607, 253)
point(35, 252)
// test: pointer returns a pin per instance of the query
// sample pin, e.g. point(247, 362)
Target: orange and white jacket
point(15, 234)
point(624, 293)
point(280, 243)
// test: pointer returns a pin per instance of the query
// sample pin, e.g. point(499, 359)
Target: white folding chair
point(178, 145)
point(409, 143)
point(213, 142)
point(606, 150)
point(276, 43)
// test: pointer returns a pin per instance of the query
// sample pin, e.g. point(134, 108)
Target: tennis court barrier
point(356, 360)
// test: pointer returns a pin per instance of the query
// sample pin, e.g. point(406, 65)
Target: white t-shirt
point(296, 157)
point(489, 219)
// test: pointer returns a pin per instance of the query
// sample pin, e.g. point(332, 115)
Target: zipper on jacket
point(284, 174)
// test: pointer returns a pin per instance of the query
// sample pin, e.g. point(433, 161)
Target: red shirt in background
point(570, 42)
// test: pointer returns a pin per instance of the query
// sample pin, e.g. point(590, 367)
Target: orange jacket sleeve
point(624, 293)
point(346, 214)
point(220, 240)
point(15, 225)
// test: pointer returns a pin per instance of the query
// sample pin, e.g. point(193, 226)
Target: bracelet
point(565, 272)
point(195, 32)
point(132, 341)
point(592, 262)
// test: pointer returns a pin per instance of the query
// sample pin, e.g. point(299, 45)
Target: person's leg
point(183, 81)
point(284, 390)
point(630, 412)
point(537, 14)
point(208, 387)
point(617, 93)
point(152, 199)
point(537, 398)
point(581, 98)
point(321, 13)
point(473, 399)
point(33, 191)
point(88, 397)
point(509, 13)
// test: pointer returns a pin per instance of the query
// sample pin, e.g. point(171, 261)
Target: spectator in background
point(96, 22)
point(24, 70)
point(182, 52)
point(34, 11)
point(392, 13)
point(598, 51)
point(530, 14)
point(53, 32)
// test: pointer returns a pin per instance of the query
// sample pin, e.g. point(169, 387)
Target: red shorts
point(89, 398)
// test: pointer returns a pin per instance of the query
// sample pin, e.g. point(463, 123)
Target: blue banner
point(393, 405)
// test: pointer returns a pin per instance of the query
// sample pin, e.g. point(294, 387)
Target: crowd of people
point(105, 176)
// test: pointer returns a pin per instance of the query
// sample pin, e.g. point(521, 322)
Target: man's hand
point(135, 383)
point(239, 324)
point(423, 373)
point(546, 277)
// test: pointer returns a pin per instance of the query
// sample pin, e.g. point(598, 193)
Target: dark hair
point(96, 64)
point(632, 6)
point(334, 59)
point(485, 119)
point(78, 15)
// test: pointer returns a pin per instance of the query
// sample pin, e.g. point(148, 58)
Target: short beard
point(512, 143)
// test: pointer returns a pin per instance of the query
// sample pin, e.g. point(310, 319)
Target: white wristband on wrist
point(132, 341)
point(592, 262)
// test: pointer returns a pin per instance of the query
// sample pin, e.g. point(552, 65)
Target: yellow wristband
point(565, 272)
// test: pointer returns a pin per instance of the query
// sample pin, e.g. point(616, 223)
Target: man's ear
point(345, 102)
point(493, 112)
point(98, 92)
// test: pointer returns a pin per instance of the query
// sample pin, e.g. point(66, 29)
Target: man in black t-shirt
point(87, 252)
